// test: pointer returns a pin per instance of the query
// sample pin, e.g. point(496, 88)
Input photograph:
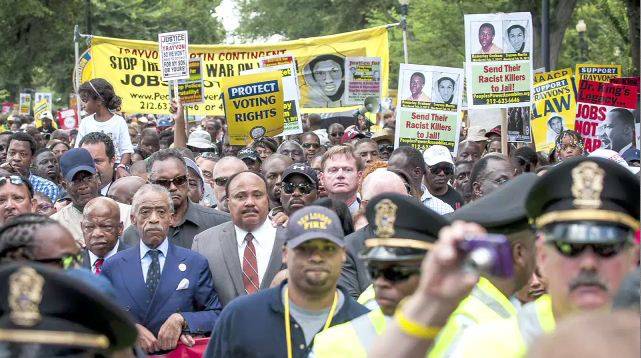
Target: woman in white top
point(100, 102)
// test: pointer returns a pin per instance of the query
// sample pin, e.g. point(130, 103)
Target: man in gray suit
point(245, 254)
point(101, 228)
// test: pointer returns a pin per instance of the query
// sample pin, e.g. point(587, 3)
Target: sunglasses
point(393, 273)
point(221, 181)
point(13, 179)
point(178, 181)
point(385, 148)
point(66, 261)
point(337, 134)
point(304, 188)
point(447, 169)
point(602, 250)
point(310, 145)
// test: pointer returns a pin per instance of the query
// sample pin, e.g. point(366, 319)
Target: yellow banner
point(599, 73)
point(132, 68)
point(553, 110)
point(545, 76)
point(253, 106)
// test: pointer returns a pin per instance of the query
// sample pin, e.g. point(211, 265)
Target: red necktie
point(250, 267)
point(98, 266)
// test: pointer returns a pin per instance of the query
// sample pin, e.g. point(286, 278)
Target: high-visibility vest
point(484, 304)
point(509, 338)
point(368, 298)
point(350, 339)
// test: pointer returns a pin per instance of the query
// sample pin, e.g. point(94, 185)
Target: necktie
point(250, 267)
point(98, 266)
point(153, 273)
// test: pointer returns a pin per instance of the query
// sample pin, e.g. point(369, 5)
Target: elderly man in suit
point(245, 254)
point(167, 289)
point(101, 229)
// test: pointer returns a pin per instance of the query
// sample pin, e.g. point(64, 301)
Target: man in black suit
point(101, 228)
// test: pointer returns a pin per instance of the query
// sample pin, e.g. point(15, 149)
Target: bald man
point(224, 169)
point(139, 169)
point(123, 189)
point(354, 277)
point(101, 229)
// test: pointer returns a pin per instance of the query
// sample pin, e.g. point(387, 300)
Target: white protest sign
point(174, 55)
point(362, 79)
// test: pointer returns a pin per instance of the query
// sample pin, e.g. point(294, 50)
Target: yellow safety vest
point(350, 339)
point(368, 298)
point(509, 338)
point(485, 304)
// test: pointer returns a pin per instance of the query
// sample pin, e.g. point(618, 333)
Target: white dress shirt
point(264, 237)
point(145, 260)
point(93, 258)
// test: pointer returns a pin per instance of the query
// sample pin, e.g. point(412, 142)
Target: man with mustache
point(168, 169)
point(586, 211)
point(244, 253)
point(80, 179)
point(167, 289)
point(282, 321)
point(101, 229)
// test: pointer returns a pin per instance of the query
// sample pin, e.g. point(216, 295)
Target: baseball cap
point(164, 122)
point(352, 133)
point(437, 154)
point(248, 153)
point(200, 139)
point(476, 134)
point(314, 222)
point(193, 166)
point(302, 169)
point(496, 131)
point(76, 160)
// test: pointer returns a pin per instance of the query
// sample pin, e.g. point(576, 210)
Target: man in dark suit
point(101, 228)
point(245, 254)
point(167, 289)
point(167, 168)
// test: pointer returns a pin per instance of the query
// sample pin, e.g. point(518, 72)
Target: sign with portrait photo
point(362, 79)
point(553, 110)
point(518, 125)
point(429, 110)
point(24, 107)
point(498, 53)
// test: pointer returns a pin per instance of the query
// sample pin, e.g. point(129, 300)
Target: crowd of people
point(142, 235)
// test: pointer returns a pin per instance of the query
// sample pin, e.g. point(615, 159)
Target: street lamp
point(404, 7)
point(581, 28)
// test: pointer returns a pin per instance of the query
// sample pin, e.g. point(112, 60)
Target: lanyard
point(288, 328)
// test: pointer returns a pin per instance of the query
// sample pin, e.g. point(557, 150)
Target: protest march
point(342, 193)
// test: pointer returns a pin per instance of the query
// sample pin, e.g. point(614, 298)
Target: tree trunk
point(633, 30)
point(560, 16)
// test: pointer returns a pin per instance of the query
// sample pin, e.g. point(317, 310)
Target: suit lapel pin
point(182, 267)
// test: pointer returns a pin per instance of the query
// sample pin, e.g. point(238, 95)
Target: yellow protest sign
point(553, 110)
point(599, 73)
point(253, 106)
point(545, 76)
point(132, 68)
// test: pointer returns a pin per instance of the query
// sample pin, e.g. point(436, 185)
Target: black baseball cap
point(248, 153)
point(314, 222)
point(302, 169)
point(74, 161)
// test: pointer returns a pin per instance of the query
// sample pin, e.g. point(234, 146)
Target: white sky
point(227, 13)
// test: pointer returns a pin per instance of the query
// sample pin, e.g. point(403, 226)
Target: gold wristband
point(415, 329)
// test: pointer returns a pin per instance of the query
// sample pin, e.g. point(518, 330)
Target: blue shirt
point(42, 185)
point(145, 260)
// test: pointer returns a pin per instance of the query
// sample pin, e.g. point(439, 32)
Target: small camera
point(490, 254)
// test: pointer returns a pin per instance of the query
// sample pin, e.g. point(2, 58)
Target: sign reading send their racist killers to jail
point(292, 123)
point(133, 68)
point(191, 90)
point(174, 55)
point(498, 54)
point(253, 106)
point(604, 115)
point(599, 73)
point(553, 110)
point(429, 110)
point(362, 79)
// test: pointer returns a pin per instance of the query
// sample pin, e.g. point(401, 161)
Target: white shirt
point(435, 203)
point(264, 237)
point(145, 260)
point(93, 258)
point(115, 127)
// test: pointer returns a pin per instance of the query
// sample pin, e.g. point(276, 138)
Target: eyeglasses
point(447, 169)
point(13, 179)
point(221, 181)
point(393, 273)
point(602, 250)
point(65, 261)
point(177, 181)
point(337, 134)
point(311, 145)
point(304, 188)
point(385, 148)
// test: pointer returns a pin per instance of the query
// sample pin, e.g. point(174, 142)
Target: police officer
point(586, 210)
point(405, 230)
point(500, 212)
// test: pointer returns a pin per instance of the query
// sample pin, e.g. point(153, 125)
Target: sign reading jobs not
point(174, 55)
